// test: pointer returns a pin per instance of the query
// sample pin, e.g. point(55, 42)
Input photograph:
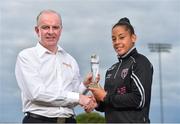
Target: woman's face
point(122, 40)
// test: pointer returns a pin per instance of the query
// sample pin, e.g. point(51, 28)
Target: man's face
point(122, 40)
point(49, 29)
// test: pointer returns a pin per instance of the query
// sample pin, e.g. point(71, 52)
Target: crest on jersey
point(124, 73)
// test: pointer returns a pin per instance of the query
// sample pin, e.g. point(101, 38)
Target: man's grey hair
point(47, 11)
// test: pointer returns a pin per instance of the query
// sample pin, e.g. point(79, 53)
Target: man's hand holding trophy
point(95, 72)
point(98, 92)
point(92, 83)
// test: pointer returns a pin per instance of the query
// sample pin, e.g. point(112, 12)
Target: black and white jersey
point(128, 86)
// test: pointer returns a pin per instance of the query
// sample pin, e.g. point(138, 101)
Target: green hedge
point(92, 117)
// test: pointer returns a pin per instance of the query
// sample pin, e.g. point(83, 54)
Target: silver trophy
point(94, 66)
point(94, 70)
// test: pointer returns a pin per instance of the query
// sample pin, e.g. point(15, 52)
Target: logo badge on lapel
point(124, 73)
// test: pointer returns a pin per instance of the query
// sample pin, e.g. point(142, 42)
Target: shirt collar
point(41, 50)
point(128, 53)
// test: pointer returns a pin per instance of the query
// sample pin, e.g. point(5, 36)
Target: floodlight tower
point(159, 48)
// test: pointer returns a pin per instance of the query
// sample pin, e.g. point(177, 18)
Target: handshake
point(89, 103)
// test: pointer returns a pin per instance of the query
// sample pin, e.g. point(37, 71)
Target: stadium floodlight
point(159, 48)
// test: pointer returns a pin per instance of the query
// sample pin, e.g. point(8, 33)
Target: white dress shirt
point(50, 83)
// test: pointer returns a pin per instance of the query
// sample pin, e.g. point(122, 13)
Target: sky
point(87, 28)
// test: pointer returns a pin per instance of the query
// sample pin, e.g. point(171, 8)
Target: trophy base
point(94, 85)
